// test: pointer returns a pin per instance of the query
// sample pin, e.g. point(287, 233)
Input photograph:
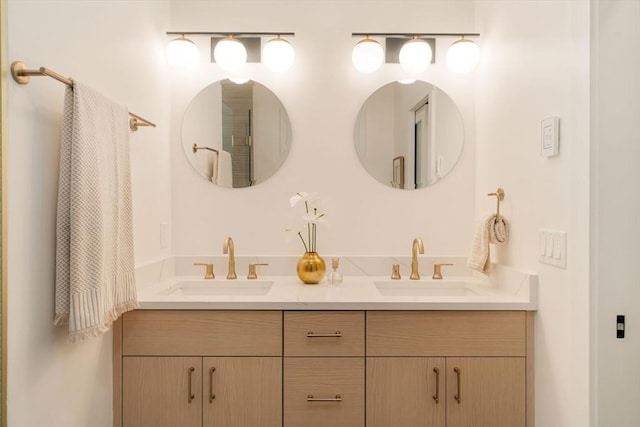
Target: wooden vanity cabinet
point(453, 369)
point(318, 369)
point(199, 369)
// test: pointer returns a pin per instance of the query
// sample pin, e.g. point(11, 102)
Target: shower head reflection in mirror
point(242, 131)
point(417, 122)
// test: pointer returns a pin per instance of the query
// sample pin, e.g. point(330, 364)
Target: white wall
point(535, 64)
point(323, 94)
point(616, 210)
point(115, 47)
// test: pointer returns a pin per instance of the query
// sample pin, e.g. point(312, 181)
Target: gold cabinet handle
point(336, 334)
point(457, 396)
point(211, 395)
point(310, 398)
point(190, 395)
point(436, 396)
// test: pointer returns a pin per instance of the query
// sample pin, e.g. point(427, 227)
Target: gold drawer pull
point(436, 396)
point(336, 334)
point(211, 395)
point(190, 395)
point(310, 398)
point(457, 396)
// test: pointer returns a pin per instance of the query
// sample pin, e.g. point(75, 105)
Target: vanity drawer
point(446, 333)
point(202, 333)
point(307, 381)
point(324, 333)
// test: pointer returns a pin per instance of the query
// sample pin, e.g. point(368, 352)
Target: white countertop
point(461, 289)
point(354, 293)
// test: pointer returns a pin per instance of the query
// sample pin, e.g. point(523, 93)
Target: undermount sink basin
point(423, 288)
point(225, 288)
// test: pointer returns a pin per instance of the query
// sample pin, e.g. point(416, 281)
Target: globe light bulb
point(463, 56)
point(415, 55)
point(278, 55)
point(367, 56)
point(183, 54)
point(230, 54)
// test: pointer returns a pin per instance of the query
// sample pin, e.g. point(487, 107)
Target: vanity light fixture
point(414, 52)
point(367, 56)
point(183, 54)
point(232, 50)
point(463, 55)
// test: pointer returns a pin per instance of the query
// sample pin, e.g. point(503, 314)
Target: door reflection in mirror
point(418, 122)
point(242, 132)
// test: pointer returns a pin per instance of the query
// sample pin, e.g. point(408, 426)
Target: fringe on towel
point(93, 315)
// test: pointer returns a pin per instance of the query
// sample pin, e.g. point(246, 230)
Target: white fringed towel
point(94, 232)
point(492, 229)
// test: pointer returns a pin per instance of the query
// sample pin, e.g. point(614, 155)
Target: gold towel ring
point(499, 197)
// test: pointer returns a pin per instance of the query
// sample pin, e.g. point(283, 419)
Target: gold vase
point(311, 268)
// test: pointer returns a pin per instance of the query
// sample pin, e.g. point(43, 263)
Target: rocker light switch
point(553, 247)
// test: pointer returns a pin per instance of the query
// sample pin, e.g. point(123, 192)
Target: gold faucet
point(227, 248)
point(415, 247)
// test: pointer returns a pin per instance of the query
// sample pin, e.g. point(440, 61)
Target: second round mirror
point(236, 134)
point(409, 136)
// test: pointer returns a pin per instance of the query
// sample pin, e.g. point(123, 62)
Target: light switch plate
point(550, 137)
point(552, 247)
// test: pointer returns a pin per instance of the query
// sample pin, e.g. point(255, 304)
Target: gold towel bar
point(197, 147)
point(22, 76)
point(499, 197)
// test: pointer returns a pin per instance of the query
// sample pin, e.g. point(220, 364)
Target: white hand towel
point(214, 166)
point(225, 170)
point(94, 242)
point(491, 230)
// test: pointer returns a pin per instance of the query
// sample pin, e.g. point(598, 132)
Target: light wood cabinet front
point(249, 369)
point(324, 333)
point(405, 391)
point(242, 391)
point(446, 333)
point(162, 392)
point(486, 391)
point(203, 333)
point(324, 392)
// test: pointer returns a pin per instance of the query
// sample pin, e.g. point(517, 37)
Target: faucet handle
point(437, 273)
point(395, 275)
point(209, 272)
point(252, 270)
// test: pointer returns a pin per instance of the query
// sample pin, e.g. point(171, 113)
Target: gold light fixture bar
point(410, 35)
point(222, 34)
point(22, 75)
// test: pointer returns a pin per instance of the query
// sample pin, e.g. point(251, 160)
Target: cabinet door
point(162, 391)
point(405, 391)
point(485, 392)
point(242, 391)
